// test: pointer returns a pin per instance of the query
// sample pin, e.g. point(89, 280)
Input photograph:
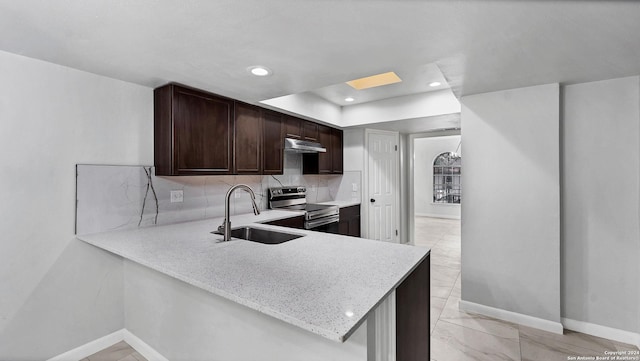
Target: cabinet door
point(325, 159)
point(336, 151)
point(350, 221)
point(273, 140)
point(293, 127)
point(247, 153)
point(310, 131)
point(354, 227)
point(293, 222)
point(203, 133)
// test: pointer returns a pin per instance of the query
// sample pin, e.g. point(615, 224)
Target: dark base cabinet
point(349, 221)
point(293, 222)
point(413, 341)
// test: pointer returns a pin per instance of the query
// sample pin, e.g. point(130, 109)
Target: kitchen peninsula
point(191, 296)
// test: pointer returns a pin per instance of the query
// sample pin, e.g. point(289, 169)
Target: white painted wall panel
point(601, 165)
point(511, 207)
point(56, 294)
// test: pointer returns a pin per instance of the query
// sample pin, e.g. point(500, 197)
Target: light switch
point(354, 187)
point(177, 196)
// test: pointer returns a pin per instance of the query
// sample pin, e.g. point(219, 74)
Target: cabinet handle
point(372, 200)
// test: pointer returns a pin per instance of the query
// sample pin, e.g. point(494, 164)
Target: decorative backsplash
point(110, 197)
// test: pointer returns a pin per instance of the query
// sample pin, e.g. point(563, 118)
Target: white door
point(382, 186)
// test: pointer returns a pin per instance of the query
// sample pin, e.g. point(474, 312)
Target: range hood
point(302, 146)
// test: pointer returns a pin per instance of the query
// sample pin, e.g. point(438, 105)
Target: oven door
point(324, 224)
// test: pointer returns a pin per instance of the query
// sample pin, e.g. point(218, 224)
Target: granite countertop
point(323, 283)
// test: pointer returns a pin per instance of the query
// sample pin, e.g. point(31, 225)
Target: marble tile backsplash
point(110, 197)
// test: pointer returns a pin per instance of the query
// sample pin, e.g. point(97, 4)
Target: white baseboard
point(100, 344)
point(430, 215)
point(90, 348)
point(144, 349)
point(509, 316)
point(592, 329)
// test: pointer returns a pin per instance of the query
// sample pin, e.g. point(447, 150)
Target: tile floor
point(461, 336)
point(457, 335)
point(118, 352)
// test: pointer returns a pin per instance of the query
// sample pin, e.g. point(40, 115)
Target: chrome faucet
point(225, 227)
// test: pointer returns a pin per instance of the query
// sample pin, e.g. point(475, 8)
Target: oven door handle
point(321, 222)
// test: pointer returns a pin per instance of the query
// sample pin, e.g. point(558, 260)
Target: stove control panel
point(289, 192)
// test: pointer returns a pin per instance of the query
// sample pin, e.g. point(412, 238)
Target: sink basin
point(265, 236)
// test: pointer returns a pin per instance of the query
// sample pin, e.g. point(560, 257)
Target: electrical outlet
point(354, 187)
point(177, 196)
point(237, 195)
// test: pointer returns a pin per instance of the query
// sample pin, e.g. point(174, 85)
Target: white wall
point(57, 293)
point(353, 153)
point(308, 105)
point(511, 228)
point(405, 107)
point(601, 233)
point(425, 151)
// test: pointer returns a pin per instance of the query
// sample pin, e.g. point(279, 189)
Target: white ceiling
point(414, 80)
point(479, 46)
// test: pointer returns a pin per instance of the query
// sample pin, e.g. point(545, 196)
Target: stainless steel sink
point(262, 235)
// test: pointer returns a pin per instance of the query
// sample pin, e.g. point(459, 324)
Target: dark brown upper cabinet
point(337, 144)
point(293, 127)
point(273, 141)
point(247, 150)
point(330, 162)
point(310, 131)
point(325, 159)
point(193, 132)
point(199, 133)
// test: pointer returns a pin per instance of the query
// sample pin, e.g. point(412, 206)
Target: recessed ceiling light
point(435, 83)
point(348, 99)
point(374, 81)
point(259, 70)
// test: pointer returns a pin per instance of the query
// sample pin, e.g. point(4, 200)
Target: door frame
point(365, 183)
point(411, 191)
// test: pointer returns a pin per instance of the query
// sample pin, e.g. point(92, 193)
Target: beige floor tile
point(115, 352)
point(138, 356)
point(572, 341)
point(452, 314)
point(441, 291)
point(536, 349)
point(437, 305)
point(128, 358)
point(456, 343)
point(443, 276)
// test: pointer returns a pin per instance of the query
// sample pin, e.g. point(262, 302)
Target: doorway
point(435, 182)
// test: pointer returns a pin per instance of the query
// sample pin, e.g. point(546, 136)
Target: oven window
point(327, 228)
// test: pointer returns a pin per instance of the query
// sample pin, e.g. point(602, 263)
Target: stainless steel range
point(318, 217)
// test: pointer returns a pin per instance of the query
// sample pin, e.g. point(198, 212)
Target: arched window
point(446, 178)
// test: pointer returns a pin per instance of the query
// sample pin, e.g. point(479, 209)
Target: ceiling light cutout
point(259, 70)
point(375, 81)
